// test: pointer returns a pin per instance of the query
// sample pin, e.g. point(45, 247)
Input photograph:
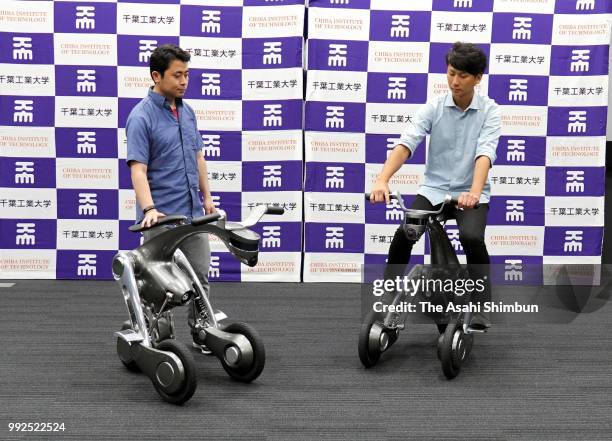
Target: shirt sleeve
point(421, 125)
point(198, 137)
point(137, 134)
point(489, 135)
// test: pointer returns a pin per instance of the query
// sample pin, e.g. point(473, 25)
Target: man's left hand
point(468, 199)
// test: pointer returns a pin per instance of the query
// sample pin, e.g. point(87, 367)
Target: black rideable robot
point(156, 277)
point(379, 330)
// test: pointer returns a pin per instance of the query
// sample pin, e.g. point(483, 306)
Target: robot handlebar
point(206, 219)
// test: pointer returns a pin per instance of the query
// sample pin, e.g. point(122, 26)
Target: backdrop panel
point(372, 63)
point(70, 72)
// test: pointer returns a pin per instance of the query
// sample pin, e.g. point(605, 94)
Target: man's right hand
point(151, 218)
point(380, 192)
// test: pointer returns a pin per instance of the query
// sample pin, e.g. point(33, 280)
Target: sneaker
point(480, 321)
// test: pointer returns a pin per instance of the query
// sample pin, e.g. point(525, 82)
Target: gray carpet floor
point(523, 381)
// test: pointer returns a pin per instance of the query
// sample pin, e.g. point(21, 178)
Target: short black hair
point(163, 55)
point(467, 57)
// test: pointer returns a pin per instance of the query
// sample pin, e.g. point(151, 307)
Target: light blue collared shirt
point(457, 138)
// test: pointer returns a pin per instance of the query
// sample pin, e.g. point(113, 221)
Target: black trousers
point(471, 223)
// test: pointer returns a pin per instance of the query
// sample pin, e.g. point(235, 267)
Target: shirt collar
point(161, 101)
point(475, 104)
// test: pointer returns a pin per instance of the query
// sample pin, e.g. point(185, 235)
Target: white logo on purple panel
point(453, 236)
point(515, 210)
point(272, 176)
point(24, 172)
point(86, 264)
point(86, 80)
point(337, 55)
point(25, 234)
point(211, 84)
point(272, 53)
point(271, 237)
point(580, 60)
point(573, 241)
point(513, 269)
point(86, 143)
point(583, 5)
point(393, 211)
point(145, 49)
point(22, 48)
point(517, 90)
point(216, 199)
point(339, 2)
point(211, 22)
point(522, 28)
point(397, 88)
point(574, 181)
point(334, 117)
point(23, 111)
point(212, 145)
point(88, 204)
point(273, 115)
point(577, 121)
point(334, 237)
point(334, 177)
point(213, 270)
point(391, 143)
point(462, 4)
point(516, 150)
point(400, 26)
point(85, 17)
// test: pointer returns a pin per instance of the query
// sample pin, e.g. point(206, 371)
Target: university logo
point(86, 143)
point(273, 115)
point(522, 28)
point(517, 90)
point(271, 237)
point(573, 241)
point(400, 26)
point(272, 52)
point(145, 49)
point(211, 22)
point(516, 150)
point(397, 88)
point(334, 117)
point(334, 177)
point(23, 111)
point(515, 210)
point(334, 237)
point(337, 55)
point(86, 264)
point(577, 121)
point(272, 176)
point(22, 48)
point(24, 172)
point(513, 269)
point(25, 233)
point(86, 80)
point(88, 204)
point(212, 145)
point(574, 181)
point(211, 84)
point(85, 17)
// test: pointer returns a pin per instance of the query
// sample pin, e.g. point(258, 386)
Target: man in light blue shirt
point(464, 129)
